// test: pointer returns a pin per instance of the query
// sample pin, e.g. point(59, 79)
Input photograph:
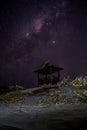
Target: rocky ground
point(58, 117)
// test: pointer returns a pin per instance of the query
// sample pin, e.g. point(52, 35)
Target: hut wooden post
point(38, 78)
point(46, 78)
point(58, 75)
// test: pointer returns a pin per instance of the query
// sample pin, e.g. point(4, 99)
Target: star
point(57, 15)
point(27, 34)
point(47, 23)
point(53, 41)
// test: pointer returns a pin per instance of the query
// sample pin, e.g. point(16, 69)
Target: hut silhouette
point(45, 74)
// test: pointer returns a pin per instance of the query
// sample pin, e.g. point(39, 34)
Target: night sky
point(35, 31)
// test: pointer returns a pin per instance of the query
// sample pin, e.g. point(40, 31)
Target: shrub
point(81, 95)
point(11, 97)
point(16, 88)
point(64, 82)
point(52, 98)
point(79, 82)
point(47, 86)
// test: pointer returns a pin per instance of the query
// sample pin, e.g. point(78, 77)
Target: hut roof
point(48, 69)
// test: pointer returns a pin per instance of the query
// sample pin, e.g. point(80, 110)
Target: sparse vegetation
point(47, 86)
point(64, 82)
point(16, 88)
point(52, 98)
point(11, 97)
point(52, 94)
point(79, 82)
point(57, 97)
point(79, 86)
point(81, 95)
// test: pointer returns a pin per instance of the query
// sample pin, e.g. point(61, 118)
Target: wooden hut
point(48, 74)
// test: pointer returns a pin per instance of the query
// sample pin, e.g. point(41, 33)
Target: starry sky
point(35, 31)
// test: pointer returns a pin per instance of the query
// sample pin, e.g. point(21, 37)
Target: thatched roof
point(48, 69)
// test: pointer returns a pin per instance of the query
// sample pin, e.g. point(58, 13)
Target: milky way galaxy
point(34, 31)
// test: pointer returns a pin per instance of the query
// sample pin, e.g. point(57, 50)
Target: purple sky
point(34, 31)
